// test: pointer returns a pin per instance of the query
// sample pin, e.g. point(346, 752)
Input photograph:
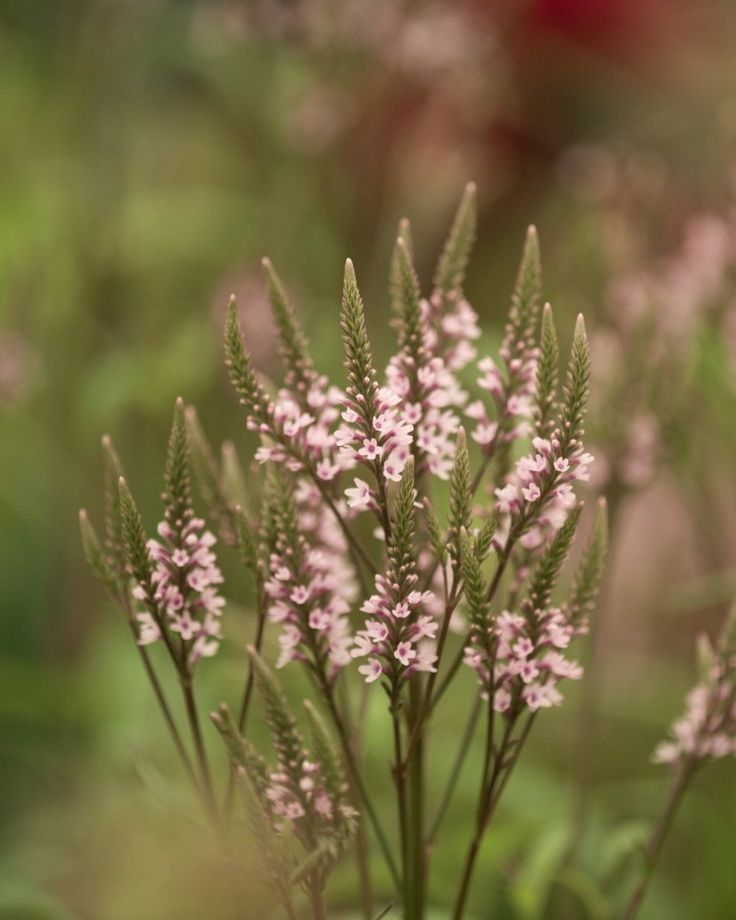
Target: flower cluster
point(452, 327)
point(524, 660)
point(374, 433)
point(708, 726)
point(539, 494)
point(426, 406)
point(398, 638)
point(185, 577)
point(306, 595)
point(305, 436)
point(298, 795)
point(512, 387)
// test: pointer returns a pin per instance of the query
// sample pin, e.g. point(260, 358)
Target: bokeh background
point(151, 151)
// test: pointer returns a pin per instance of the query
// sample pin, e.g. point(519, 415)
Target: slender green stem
point(317, 903)
point(356, 550)
point(458, 659)
point(357, 780)
point(456, 770)
point(402, 808)
point(425, 706)
point(654, 848)
point(204, 770)
point(362, 855)
point(591, 700)
point(491, 789)
point(417, 855)
point(163, 705)
point(247, 696)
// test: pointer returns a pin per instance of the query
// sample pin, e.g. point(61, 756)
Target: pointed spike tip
point(267, 264)
point(580, 325)
point(83, 516)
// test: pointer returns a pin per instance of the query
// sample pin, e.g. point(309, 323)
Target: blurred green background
point(151, 152)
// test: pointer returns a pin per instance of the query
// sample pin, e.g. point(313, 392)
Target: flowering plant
point(377, 551)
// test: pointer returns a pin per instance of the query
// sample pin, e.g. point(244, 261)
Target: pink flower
point(371, 670)
point(405, 653)
point(370, 449)
point(359, 497)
